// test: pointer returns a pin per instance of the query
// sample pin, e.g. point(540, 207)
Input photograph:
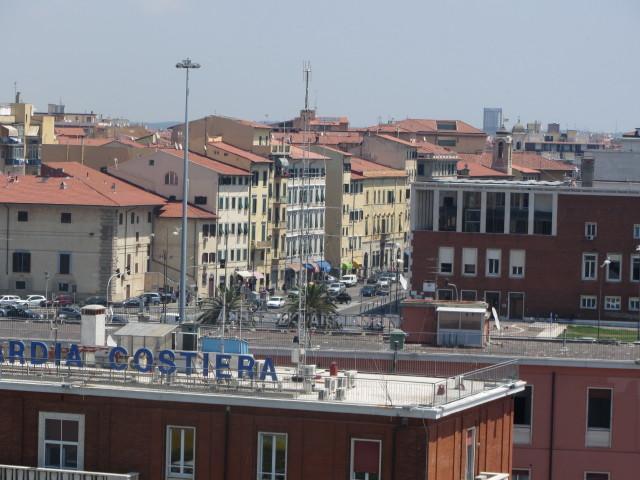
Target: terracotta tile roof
point(206, 162)
point(522, 161)
point(336, 138)
point(252, 157)
point(294, 138)
point(421, 147)
point(424, 125)
point(174, 210)
point(87, 142)
point(334, 121)
point(369, 169)
point(297, 153)
point(77, 185)
point(69, 131)
point(250, 123)
point(479, 170)
point(337, 150)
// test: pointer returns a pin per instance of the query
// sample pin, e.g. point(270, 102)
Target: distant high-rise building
point(492, 120)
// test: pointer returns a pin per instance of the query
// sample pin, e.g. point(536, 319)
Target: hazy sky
point(570, 61)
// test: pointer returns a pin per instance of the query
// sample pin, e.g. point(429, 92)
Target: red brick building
point(528, 248)
point(152, 426)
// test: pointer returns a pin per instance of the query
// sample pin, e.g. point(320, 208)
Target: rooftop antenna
point(306, 74)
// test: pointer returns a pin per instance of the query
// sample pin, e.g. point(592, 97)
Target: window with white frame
point(589, 266)
point(522, 413)
point(516, 263)
point(590, 230)
point(181, 452)
point(612, 303)
point(470, 457)
point(635, 268)
point(588, 302)
point(614, 267)
point(469, 295)
point(469, 261)
point(365, 459)
point(634, 304)
point(636, 231)
point(493, 262)
point(61, 440)
point(596, 475)
point(599, 412)
point(272, 456)
point(520, 474)
point(445, 260)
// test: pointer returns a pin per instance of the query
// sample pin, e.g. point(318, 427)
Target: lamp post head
point(187, 63)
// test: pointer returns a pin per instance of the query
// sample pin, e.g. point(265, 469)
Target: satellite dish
point(495, 317)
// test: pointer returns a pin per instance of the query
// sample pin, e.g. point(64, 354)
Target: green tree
point(230, 297)
point(318, 306)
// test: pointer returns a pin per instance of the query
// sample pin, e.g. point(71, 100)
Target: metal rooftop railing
point(346, 388)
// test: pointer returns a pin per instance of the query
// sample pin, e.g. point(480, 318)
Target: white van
point(349, 280)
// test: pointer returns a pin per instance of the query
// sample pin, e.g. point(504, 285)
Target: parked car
point(61, 300)
point(168, 297)
point(329, 278)
point(335, 288)
point(349, 280)
point(10, 300)
point(343, 297)
point(383, 290)
point(368, 290)
point(372, 281)
point(95, 300)
point(391, 277)
point(35, 300)
point(293, 293)
point(133, 302)
point(276, 302)
point(383, 282)
point(151, 298)
point(23, 313)
point(70, 313)
point(119, 319)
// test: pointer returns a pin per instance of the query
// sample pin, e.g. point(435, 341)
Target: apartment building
point(214, 187)
point(70, 230)
point(367, 219)
point(528, 248)
point(456, 135)
point(97, 153)
point(22, 135)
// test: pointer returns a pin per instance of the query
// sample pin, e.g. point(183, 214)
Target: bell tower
point(502, 151)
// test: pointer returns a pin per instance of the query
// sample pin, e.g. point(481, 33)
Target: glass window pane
point(69, 430)
point(52, 455)
point(189, 446)
point(281, 453)
point(267, 445)
point(70, 456)
point(52, 429)
point(175, 448)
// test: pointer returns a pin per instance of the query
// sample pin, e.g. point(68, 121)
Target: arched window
point(171, 178)
point(500, 150)
point(518, 145)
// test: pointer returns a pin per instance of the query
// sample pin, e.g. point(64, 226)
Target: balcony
point(15, 472)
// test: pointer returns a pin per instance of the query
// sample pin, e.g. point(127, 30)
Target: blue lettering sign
point(167, 362)
point(268, 369)
point(57, 354)
point(44, 353)
point(16, 350)
point(187, 360)
point(73, 356)
point(205, 364)
point(148, 356)
point(222, 366)
point(114, 358)
point(245, 366)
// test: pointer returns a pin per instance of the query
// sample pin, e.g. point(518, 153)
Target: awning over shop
point(244, 273)
point(324, 266)
point(311, 266)
point(346, 266)
point(294, 266)
point(257, 275)
point(461, 309)
point(356, 264)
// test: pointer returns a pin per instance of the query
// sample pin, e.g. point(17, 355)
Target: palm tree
point(317, 303)
point(229, 297)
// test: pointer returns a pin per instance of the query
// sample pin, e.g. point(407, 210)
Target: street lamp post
point(604, 265)
point(46, 292)
point(187, 65)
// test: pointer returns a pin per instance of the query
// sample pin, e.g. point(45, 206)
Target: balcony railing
point(16, 472)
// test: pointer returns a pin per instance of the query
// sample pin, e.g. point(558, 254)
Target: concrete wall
point(96, 157)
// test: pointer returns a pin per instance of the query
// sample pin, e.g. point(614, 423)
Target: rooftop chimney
point(63, 186)
point(17, 97)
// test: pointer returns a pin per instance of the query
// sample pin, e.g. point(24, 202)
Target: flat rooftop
point(362, 393)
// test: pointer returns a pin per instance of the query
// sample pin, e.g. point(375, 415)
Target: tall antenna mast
point(306, 72)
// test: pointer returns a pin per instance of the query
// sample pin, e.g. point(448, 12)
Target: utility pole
point(187, 65)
